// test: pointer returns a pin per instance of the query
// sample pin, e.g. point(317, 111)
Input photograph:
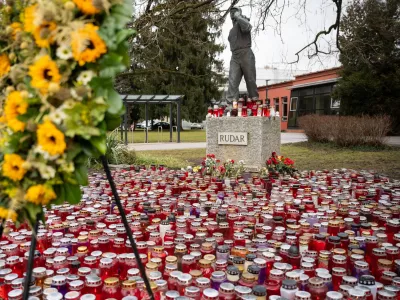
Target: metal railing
point(159, 130)
point(176, 131)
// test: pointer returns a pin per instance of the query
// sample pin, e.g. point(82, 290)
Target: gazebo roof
point(161, 99)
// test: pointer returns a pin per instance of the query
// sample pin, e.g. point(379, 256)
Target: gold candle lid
point(171, 259)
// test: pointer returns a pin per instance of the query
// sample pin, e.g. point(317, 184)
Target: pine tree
point(177, 55)
point(370, 42)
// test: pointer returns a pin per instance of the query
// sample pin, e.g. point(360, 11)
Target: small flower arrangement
point(214, 167)
point(209, 164)
point(57, 63)
point(280, 164)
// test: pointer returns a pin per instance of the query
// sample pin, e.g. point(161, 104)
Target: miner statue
point(243, 62)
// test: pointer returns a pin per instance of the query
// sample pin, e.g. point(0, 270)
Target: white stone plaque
point(232, 138)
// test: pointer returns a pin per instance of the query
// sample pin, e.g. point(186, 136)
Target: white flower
point(85, 77)
point(57, 116)
point(75, 95)
point(64, 52)
point(46, 172)
point(45, 154)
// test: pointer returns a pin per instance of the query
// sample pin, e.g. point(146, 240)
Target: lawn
point(187, 136)
point(307, 156)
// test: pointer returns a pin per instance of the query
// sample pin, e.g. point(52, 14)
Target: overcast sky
point(298, 29)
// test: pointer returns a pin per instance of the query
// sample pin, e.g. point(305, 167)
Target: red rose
point(273, 154)
point(232, 161)
point(269, 162)
point(288, 161)
point(274, 161)
point(218, 161)
point(212, 155)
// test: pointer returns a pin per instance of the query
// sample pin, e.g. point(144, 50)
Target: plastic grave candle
point(236, 239)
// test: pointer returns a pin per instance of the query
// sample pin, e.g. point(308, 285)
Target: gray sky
point(298, 28)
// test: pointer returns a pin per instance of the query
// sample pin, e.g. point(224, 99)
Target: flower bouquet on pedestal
point(57, 61)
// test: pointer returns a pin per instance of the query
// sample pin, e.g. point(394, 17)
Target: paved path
point(285, 139)
point(393, 140)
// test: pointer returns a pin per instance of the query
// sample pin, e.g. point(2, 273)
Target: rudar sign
point(232, 138)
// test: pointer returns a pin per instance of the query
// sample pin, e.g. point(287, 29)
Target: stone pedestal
point(251, 139)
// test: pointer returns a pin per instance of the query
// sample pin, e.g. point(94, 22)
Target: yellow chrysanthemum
point(87, 46)
point(8, 214)
point(50, 138)
point(4, 64)
point(29, 18)
point(16, 125)
point(16, 27)
point(44, 72)
point(15, 106)
point(40, 194)
point(44, 34)
point(12, 167)
point(87, 7)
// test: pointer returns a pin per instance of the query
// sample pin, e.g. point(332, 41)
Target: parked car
point(197, 126)
point(141, 125)
point(164, 125)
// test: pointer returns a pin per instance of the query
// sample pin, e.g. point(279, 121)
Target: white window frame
point(284, 101)
point(291, 102)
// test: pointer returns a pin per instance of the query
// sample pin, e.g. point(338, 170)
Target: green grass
point(307, 156)
point(189, 136)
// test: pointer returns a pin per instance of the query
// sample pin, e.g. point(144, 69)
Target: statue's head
point(234, 10)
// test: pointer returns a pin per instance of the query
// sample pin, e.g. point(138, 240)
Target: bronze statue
point(242, 61)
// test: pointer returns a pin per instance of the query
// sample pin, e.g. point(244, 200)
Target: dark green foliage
point(370, 42)
point(176, 55)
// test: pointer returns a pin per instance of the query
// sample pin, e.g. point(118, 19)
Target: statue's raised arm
point(243, 22)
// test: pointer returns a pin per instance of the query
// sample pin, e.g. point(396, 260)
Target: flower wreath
point(57, 61)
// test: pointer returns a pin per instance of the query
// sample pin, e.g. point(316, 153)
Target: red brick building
point(306, 94)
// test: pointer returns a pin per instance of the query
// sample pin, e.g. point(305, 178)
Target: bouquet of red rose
point(280, 164)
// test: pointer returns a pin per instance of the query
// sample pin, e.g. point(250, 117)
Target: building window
point(276, 103)
point(293, 104)
point(284, 109)
point(335, 103)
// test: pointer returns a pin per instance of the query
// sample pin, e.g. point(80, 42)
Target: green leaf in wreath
point(111, 64)
point(99, 142)
point(71, 192)
point(113, 121)
point(114, 101)
point(123, 35)
point(32, 211)
point(73, 150)
point(81, 174)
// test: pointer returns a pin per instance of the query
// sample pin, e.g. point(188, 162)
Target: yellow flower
point(87, 46)
point(16, 125)
point(40, 194)
point(29, 18)
point(16, 27)
point(50, 138)
point(87, 7)
point(15, 106)
point(44, 34)
point(44, 72)
point(4, 64)
point(12, 167)
point(8, 214)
